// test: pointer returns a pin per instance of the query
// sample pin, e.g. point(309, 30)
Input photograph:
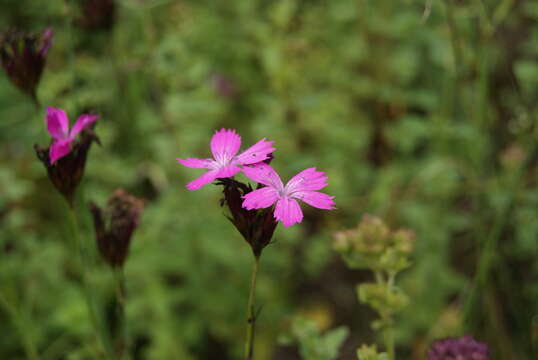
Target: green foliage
point(312, 344)
point(366, 352)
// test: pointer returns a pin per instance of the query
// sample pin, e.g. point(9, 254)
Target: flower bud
point(23, 57)
point(223, 86)
point(114, 226)
point(341, 241)
point(66, 173)
point(256, 226)
point(97, 14)
point(404, 241)
point(372, 234)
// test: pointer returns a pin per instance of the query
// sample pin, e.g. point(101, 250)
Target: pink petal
point(228, 171)
point(260, 199)
point(316, 199)
point(202, 180)
point(57, 123)
point(263, 174)
point(82, 122)
point(288, 211)
point(196, 163)
point(59, 149)
point(225, 144)
point(256, 153)
point(307, 180)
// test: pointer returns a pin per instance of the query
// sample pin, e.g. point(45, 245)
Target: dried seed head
point(23, 56)
point(114, 226)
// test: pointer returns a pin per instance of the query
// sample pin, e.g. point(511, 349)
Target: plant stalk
point(97, 324)
point(121, 341)
point(251, 315)
point(22, 328)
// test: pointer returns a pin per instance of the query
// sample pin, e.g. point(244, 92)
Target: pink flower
point(225, 163)
point(58, 127)
point(302, 187)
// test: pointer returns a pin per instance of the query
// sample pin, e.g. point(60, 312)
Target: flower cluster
point(226, 163)
point(255, 212)
point(372, 245)
point(23, 57)
point(463, 348)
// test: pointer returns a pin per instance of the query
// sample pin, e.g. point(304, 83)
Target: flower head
point(302, 186)
point(114, 226)
point(58, 127)
point(463, 348)
point(256, 226)
point(225, 163)
point(65, 158)
point(23, 58)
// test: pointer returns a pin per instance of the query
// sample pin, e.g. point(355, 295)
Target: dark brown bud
point(97, 14)
point(68, 171)
point(223, 86)
point(114, 226)
point(23, 58)
point(256, 226)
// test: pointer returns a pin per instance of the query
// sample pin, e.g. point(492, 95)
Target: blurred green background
point(422, 112)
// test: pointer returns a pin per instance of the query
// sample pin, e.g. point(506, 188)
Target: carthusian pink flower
point(225, 163)
point(302, 186)
point(58, 127)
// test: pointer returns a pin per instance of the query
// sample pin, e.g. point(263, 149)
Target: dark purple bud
point(256, 226)
point(223, 86)
point(23, 58)
point(114, 226)
point(97, 14)
point(463, 348)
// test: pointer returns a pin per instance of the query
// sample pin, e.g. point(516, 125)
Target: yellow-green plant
point(373, 245)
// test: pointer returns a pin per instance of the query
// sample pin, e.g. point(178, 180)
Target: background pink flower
point(225, 163)
point(302, 187)
point(58, 127)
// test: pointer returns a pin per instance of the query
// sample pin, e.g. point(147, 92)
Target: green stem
point(91, 305)
point(389, 342)
point(22, 328)
point(389, 331)
point(122, 341)
point(251, 316)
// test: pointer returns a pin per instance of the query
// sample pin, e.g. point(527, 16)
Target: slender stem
point(22, 328)
point(389, 342)
point(122, 341)
point(97, 324)
point(389, 330)
point(251, 315)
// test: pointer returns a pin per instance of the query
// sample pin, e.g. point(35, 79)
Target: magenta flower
point(58, 127)
point(225, 163)
point(302, 187)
